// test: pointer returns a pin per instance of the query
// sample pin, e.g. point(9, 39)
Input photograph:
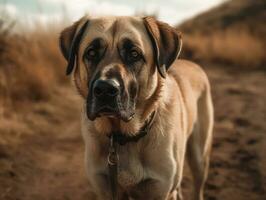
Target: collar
point(123, 139)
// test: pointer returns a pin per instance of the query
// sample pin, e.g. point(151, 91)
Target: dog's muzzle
point(105, 99)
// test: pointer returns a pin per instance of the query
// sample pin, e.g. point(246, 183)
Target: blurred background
point(41, 150)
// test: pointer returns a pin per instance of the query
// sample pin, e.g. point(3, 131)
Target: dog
point(134, 86)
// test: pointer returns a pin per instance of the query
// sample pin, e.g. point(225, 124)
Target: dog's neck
point(122, 139)
point(151, 104)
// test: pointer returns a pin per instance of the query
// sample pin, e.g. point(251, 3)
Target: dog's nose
point(105, 88)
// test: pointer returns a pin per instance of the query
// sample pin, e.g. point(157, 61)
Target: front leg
point(151, 189)
point(100, 186)
point(102, 189)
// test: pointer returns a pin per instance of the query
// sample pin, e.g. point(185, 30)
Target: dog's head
point(114, 60)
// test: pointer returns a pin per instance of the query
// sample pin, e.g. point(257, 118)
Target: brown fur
point(178, 90)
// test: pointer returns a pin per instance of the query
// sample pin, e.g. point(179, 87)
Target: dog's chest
point(130, 167)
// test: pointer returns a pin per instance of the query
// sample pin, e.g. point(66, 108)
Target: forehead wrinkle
point(96, 30)
point(112, 31)
point(134, 37)
point(105, 28)
point(114, 28)
point(89, 37)
point(130, 29)
point(102, 24)
point(98, 27)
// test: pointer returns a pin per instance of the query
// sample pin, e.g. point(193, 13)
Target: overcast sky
point(171, 11)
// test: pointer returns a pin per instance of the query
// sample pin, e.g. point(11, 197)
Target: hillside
point(234, 14)
point(233, 33)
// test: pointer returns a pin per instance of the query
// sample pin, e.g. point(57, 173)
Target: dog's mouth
point(107, 111)
point(94, 110)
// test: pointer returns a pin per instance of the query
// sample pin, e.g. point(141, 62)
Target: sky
point(170, 11)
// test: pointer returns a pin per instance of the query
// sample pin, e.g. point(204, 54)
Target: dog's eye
point(133, 55)
point(91, 54)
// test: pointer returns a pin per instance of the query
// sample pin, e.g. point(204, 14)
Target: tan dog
point(127, 71)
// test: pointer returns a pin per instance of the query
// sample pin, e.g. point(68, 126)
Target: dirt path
point(238, 163)
point(48, 164)
point(58, 171)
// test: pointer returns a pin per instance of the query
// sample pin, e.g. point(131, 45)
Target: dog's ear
point(70, 40)
point(166, 43)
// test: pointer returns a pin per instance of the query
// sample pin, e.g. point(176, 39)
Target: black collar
point(123, 139)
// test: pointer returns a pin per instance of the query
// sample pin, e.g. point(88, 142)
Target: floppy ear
point(166, 42)
point(69, 42)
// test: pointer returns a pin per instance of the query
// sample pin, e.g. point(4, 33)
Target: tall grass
point(229, 46)
point(30, 65)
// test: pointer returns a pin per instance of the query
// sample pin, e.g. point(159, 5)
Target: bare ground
point(41, 150)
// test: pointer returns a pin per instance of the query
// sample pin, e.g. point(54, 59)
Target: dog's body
point(151, 168)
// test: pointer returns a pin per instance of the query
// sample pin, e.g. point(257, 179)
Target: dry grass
point(232, 47)
point(32, 73)
point(31, 65)
point(232, 33)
